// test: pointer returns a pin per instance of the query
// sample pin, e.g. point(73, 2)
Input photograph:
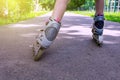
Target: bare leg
point(99, 7)
point(59, 9)
point(51, 29)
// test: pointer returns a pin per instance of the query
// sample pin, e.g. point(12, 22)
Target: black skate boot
point(97, 29)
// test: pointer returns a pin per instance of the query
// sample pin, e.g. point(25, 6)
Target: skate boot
point(46, 38)
point(97, 29)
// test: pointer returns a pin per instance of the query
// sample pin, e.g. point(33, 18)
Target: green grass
point(17, 18)
point(110, 16)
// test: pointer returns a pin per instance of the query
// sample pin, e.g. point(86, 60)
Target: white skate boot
point(46, 38)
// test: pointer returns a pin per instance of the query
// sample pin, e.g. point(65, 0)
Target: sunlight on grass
point(87, 13)
point(110, 16)
point(18, 10)
point(113, 16)
point(18, 18)
point(24, 25)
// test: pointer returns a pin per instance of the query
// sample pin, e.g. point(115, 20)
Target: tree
point(89, 4)
point(15, 7)
point(75, 4)
point(25, 6)
point(47, 4)
point(2, 8)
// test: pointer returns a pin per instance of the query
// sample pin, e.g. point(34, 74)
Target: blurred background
point(15, 10)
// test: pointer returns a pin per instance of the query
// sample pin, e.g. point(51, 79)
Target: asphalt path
point(72, 56)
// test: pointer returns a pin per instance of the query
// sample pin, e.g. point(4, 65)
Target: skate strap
point(57, 19)
point(99, 18)
point(99, 15)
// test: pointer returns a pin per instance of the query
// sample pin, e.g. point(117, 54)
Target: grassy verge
point(17, 18)
point(110, 16)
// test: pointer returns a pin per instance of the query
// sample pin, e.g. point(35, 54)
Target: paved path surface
point(73, 55)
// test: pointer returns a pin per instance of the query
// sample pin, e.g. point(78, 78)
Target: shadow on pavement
point(73, 55)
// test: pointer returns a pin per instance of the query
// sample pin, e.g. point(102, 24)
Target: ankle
point(55, 19)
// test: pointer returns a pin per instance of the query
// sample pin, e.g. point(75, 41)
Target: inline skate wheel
point(37, 51)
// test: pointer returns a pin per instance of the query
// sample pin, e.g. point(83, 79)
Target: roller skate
point(45, 38)
point(97, 29)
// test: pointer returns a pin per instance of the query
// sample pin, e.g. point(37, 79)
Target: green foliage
point(47, 4)
point(15, 10)
point(89, 4)
point(86, 13)
point(74, 4)
point(10, 8)
point(110, 16)
point(25, 6)
point(15, 19)
point(2, 7)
